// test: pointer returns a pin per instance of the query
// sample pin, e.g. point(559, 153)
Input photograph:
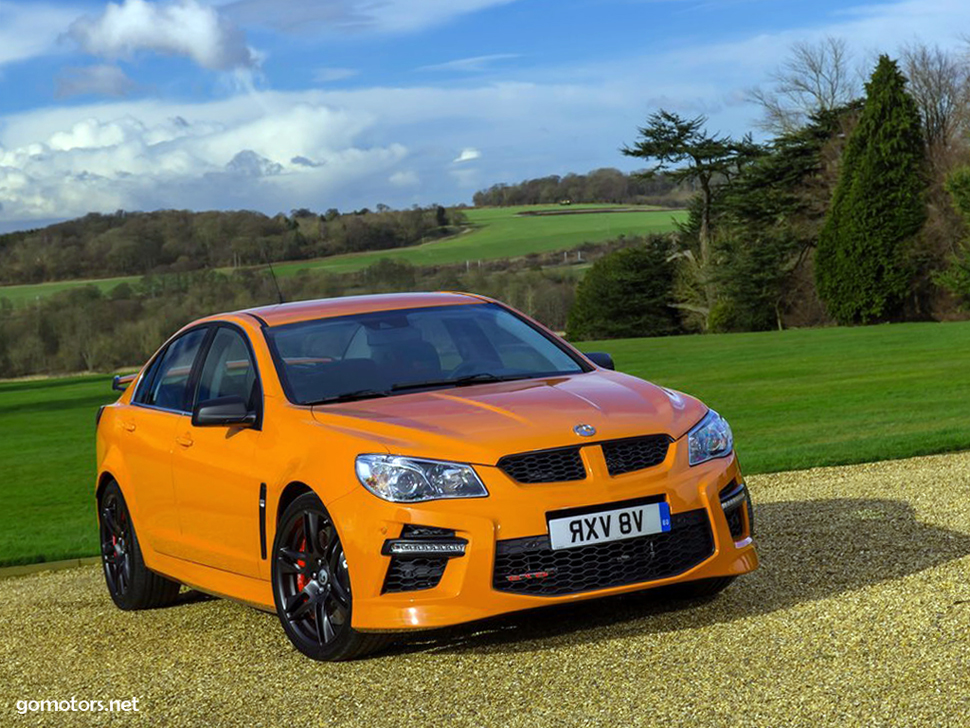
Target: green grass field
point(47, 456)
point(497, 232)
point(795, 399)
point(29, 293)
point(500, 232)
point(802, 398)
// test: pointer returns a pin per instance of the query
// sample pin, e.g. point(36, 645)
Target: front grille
point(544, 466)
point(637, 453)
point(414, 573)
point(536, 569)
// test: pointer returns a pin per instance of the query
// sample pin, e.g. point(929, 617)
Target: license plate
point(612, 525)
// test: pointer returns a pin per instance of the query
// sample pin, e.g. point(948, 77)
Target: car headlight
point(711, 438)
point(409, 480)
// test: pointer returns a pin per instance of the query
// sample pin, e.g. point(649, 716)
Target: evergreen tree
point(626, 294)
point(769, 220)
point(863, 266)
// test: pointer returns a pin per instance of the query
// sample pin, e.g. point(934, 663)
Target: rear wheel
point(130, 583)
point(311, 585)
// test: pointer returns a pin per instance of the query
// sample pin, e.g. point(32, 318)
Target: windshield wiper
point(480, 378)
point(352, 396)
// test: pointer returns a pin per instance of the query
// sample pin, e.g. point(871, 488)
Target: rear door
point(149, 425)
point(216, 485)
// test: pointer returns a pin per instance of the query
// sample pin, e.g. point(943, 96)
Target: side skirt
point(224, 584)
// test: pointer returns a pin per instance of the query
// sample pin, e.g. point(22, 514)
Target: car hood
point(482, 423)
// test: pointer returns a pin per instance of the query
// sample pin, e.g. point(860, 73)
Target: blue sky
point(279, 104)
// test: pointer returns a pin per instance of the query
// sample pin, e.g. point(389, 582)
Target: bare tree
point(815, 77)
point(939, 81)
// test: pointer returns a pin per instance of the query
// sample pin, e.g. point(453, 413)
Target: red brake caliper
point(301, 580)
point(114, 539)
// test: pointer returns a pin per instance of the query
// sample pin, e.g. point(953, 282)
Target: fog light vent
point(734, 502)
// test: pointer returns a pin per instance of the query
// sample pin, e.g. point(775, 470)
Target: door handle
point(128, 426)
point(184, 440)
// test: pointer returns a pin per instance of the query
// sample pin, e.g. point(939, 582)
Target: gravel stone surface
point(859, 616)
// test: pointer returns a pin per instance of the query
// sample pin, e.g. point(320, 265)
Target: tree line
point(86, 329)
point(605, 185)
point(178, 241)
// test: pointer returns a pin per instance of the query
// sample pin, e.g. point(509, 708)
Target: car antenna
point(276, 283)
point(279, 293)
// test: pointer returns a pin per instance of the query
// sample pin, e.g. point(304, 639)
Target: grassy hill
point(503, 232)
point(499, 232)
point(796, 399)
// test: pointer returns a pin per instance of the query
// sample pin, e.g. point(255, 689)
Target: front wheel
point(311, 585)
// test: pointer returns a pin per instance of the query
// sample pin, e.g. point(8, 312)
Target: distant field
point(26, 294)
point(497, 232)
point(796, 399)
point(500, 232)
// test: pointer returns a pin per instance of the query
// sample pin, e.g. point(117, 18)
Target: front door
point(149, 425)
point(215, 484)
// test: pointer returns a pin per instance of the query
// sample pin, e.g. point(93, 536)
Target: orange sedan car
point(369, 465)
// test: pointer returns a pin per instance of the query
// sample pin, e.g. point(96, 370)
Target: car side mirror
point(223, 412)
point(601, 359)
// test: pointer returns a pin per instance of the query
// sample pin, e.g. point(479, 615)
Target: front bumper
point(516, 514)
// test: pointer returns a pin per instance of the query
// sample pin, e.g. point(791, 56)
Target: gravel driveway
point(860, 615)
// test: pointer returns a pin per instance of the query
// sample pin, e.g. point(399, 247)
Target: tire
point(700, 589)
point(311, 585)
point(130, 583)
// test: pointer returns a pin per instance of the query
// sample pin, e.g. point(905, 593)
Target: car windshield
point(390, 353)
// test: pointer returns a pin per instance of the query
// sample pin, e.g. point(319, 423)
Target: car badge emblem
point(584, 430)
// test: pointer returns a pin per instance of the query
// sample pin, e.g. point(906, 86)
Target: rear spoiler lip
point(121, 381)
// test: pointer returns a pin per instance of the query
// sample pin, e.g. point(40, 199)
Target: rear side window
point(229, 370)
point(166, 383)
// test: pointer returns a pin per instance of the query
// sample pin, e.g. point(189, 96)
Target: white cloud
point(404, 178)
point(335, 148)
point(328, 75)
point(386, 16)
point(352, 147)
point(475, 64)
point(101, 80)
point(31, 29)
point(467, 155)
point(249, 151)
point(183, 28)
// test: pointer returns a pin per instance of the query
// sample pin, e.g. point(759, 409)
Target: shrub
point(627, 294)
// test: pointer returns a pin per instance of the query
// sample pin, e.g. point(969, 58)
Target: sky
point(274, 105)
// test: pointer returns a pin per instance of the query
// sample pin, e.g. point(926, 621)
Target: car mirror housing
point(223, 412)
point(601, 359)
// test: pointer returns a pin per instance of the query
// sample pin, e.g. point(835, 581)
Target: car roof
point(287, 313)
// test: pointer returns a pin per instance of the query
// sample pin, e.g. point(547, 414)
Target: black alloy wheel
point(130, 583)
point(115, 544)
point(311, 585)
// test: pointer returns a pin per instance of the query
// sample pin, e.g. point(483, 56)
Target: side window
point(165, 384)
point(229, 370)
point(144, 391)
